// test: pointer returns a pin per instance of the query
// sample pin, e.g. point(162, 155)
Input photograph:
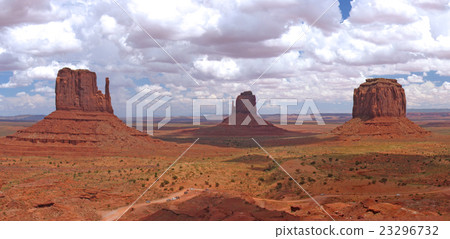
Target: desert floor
point(231, 178)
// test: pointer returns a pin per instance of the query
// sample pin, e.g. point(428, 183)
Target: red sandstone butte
point(240, 106)
point(379, 97)
point(244, 113)
point(84, 116)
point(77, 90)
point(379, 109)
point(243, 121)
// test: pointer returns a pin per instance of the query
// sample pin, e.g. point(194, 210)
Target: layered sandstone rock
point(243, 121)
point(245, 113)
point(379, 109)
point(77, 90)
point(378, 98)
point(80, 127)
point(240, 105)
point(84, 116)
point(214, 206)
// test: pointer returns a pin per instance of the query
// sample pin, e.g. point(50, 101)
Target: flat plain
point(231, 178)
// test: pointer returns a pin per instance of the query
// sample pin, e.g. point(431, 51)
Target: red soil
point(382, 127)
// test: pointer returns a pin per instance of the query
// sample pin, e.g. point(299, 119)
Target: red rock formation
point(77, 90)
point(245, 113)
point(240, 106)
point(80, 127)
point(84, 116)
point(218, 207)
point(243, 121)
point(379, 109)
point(379, 97)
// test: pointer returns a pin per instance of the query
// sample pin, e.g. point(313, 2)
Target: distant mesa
point(379, 97)
point(379, 109)
point(84, 116)
point(245, 113)
point(243, 121)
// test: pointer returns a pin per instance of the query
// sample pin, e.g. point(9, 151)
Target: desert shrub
point(383, 180)
point(270, 167)
point(279, 186)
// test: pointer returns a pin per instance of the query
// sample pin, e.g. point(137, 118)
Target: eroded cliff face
point(77, 90)
point(244, 114)
point(379, 97)
point(243, 121)
point(83, 116)
point(240, 105)
point(379, 109)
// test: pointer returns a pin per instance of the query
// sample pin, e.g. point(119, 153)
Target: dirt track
point(114, 214)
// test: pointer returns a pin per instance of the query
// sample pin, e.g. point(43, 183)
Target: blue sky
point(345, 7)
point(225, 47)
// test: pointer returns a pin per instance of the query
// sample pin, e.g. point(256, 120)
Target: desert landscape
point(82, 162)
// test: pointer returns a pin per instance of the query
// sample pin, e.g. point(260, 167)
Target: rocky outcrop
point(379, 97)
point(240, 105)
point(77, 90)
point(243, 121)
point(218, 207)
point(245, 113)
point(379, 109)
point(84, 116)
point(78, 127)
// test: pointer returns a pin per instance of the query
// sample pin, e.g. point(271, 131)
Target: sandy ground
point(357, 179)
